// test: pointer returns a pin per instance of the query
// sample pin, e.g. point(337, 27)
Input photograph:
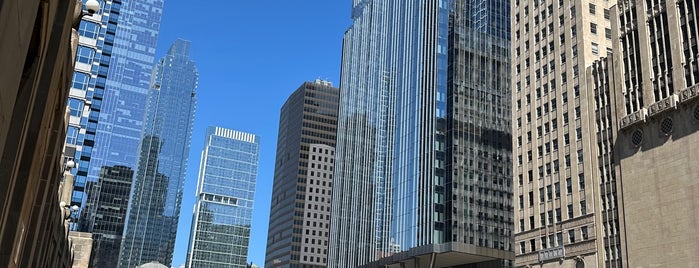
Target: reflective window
point(89, 29)
point(75, 106)
point(81, 80)
point(85, 55)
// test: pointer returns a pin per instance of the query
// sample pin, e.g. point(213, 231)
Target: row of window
point(553, 240)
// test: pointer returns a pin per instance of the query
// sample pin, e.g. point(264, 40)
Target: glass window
point(592, 8)
point(72, 135)
point(595, 48)
point(89, 29)
point(85, 55)
point(75, 106)
point(593, 28)
point(81, 80)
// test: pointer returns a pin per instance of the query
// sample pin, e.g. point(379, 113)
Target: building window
point(89, 29)
point(593, 28)
point(85, 55)
point(570, 211)
point(569, 186)
point(571, 236)
point(72, 135)
point(75, 106)
point(606, 14)
point(583, 231)
point(595, 48)
point(608, 33)
point(592, 8)
point(583, 208)
point(81, 80)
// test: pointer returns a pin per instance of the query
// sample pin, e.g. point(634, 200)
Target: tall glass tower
point(156, 195)
point(107, 105)
point(225, 194)
point(424, 146)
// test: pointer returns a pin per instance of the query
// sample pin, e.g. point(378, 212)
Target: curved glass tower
point(156, 193)
point(424, 147)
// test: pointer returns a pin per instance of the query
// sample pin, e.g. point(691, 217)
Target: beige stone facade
point(657, 144)
point(557, 164)
point(82, 249)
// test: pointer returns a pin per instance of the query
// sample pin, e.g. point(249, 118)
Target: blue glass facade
point(424, 92)
point(107, 105)
point(157, 192)
point(220, 231)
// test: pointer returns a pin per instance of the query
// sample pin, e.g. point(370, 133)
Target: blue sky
point(251, 55)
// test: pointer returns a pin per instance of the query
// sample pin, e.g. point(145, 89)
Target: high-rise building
point(156, 194)
point(113, 67)
point(561, 157)
point(107, 207)
point(423, 157)
point(222, 218)
point(300, 211)
point(653, 78)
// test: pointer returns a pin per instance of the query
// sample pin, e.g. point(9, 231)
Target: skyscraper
point(107, 104)
point(653, 81)
point(108, 205)
point(300, 211)
point(423, 155)
point(220, 231)
point(157, 191)
point(562, 159)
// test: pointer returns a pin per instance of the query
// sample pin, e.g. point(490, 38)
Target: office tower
point(220, 231)
point(35, 71)
point(423, 155)
point(156, 194)
point(300, 211)
point(108, 204)
point(107, 102)
point(558, 168)
point(654, 76)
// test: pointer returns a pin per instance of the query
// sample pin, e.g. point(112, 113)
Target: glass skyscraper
point(156, 194)
point(423, 157)
point(107, 104)
point(220, 231)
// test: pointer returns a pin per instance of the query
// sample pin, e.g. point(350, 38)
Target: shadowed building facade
point(423, 156)
point(653, 78)
point(220, 232)
point(36, 63)
point(300, 210)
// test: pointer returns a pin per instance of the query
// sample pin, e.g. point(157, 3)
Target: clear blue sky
point(251, 55)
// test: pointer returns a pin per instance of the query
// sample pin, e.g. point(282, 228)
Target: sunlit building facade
point(220, 232)
point(300, 210)
point(107, 104)
point(156, 194)
point(423, 157)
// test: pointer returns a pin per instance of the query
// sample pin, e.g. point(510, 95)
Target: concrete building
point(300, 211)
point(562, 165)
point(36, 63)
point(423, 157)
point(656, 102)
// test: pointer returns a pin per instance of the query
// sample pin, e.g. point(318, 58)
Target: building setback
point(654, 81)
point(300, 210)
point(561, 136)
point(156, 193)
point(220, 232)
point(423, 157)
